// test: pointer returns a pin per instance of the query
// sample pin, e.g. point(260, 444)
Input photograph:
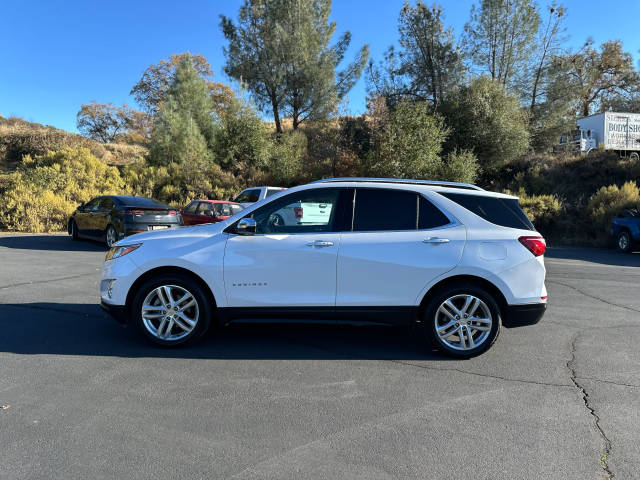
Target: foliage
point(243, 142)
point(542, 210)
point(152, 89)
point(608, 201)
point(280, 50)
point(597, 76)
point(429, 63)
point(19, 138)
point(409, 145)
point(102, 121)
point(184, 128)
point(45, 190)
point(487, 120)
point(500, 37)
point(285, 167)
point(459, 166)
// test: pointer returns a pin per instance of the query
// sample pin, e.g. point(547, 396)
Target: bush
point(43, 192)
point(459, 167)
point(488, 121)
point(542, 210)
point(608, 201)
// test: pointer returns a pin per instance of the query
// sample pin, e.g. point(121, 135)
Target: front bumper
point(117, 312)
point(526, 314)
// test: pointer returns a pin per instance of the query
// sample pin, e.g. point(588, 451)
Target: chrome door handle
point(319, 243)
point(435, 240)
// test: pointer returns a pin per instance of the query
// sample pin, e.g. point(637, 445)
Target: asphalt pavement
point(82, 397)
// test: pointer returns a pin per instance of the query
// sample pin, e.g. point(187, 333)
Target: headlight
point(117, 252)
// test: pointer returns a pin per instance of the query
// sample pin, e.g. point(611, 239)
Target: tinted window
point(205, 209)
point(429, 216)
point(191, 208)
point(226, 209)
point(106, 204)
point(248, 196)
point(505, 212)
point(300, 212)
point(380, 209)
point(93, 204)
point(140, 202)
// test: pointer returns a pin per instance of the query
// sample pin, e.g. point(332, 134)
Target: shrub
point(45, 190)
point(459, 167)
point(608, 201)
point(542, 210)
point(489, 121)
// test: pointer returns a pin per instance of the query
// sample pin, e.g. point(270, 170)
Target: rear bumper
point(117, 312)
point(526, 314)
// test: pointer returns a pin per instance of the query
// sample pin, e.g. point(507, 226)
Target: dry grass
point(19, 138)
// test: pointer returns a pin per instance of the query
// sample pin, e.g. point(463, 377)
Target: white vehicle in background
point(254, 194)
point(618, 132)
point(451, 259)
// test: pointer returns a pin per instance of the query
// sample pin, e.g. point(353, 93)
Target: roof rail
point(438, 183)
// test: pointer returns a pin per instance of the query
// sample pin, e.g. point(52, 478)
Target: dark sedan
point(112, 217)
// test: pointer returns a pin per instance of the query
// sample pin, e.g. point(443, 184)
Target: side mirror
point(246, 226)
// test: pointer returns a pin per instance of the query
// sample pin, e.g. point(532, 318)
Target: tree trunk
point(276, 116)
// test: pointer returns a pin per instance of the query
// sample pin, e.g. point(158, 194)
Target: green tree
point(500, 37)
point(488, 121)
point(597, 76)
point(280, 50)
point(153, 87)
point(407, 142)
point(185, 130)
point(428, 64)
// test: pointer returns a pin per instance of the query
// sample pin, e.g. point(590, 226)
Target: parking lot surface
point(84, 397)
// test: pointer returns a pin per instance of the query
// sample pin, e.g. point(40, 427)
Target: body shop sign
point(623, 133)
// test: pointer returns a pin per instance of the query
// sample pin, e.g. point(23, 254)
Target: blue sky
point(56, 55)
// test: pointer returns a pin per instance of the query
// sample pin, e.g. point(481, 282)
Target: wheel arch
point(154, 272)
point(467, 279)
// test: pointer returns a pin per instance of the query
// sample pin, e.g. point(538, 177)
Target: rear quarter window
point(505, 212)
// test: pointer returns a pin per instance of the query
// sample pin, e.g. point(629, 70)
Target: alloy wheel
point(111, 237)
point(623, 241)
point(463, 322)
point(170, 312)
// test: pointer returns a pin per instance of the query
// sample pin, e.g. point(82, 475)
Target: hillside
point(19, 137)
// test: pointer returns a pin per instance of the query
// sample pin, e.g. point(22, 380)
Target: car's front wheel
point(110, 236)
point(73, 230)
point(462, 321)
point(172, 310)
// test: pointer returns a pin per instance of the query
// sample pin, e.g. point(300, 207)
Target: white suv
point(451, 258)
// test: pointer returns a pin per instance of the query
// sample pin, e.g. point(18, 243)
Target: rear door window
point(505, 212)
point(378, 209)
point(273, 191)
point(248, 196)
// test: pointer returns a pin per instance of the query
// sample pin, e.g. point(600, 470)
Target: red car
point(209, 211)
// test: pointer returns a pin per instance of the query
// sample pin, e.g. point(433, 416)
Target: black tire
point(73, 230)
point(433, 318)
point(624, 243)
point(110, 236)
point(178, 281)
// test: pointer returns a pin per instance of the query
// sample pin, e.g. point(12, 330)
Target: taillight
point(535, 245)
point(136, 213)
point(298, 211)
point(172, 212)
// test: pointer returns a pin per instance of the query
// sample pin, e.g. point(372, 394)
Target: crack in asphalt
point(599, 380)
point(37, 282)
point(594, 296)
point(608, 447)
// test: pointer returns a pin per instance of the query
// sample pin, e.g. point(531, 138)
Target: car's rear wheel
point(171, 310)
point(623, 241)
point(110, 236)
point(462, 321)
point(74, 230)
